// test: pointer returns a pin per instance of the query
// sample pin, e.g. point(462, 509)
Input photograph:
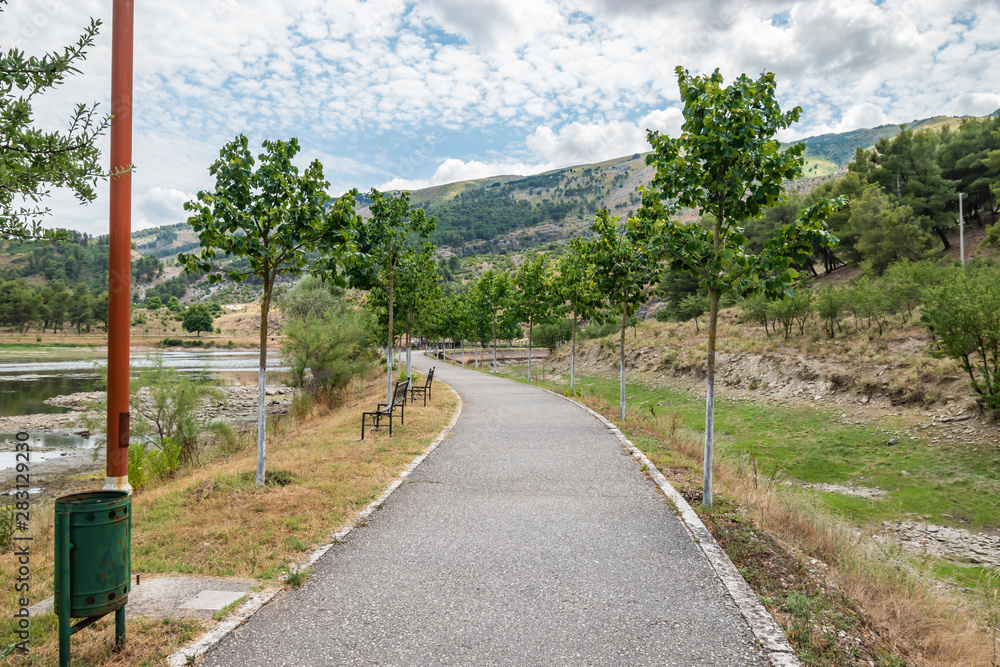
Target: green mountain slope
point(512, 212)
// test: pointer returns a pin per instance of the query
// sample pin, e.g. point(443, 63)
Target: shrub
point(165, 428)
point(692, 307)
point(553, 334)
point(325, 353)
point(596, 329)
point(829, 305)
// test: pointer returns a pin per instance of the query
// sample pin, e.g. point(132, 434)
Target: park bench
point(383, 411)
point(425, 390)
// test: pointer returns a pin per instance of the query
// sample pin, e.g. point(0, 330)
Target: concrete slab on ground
point(175, 597)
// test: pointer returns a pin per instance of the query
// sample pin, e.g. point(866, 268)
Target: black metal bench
point(425, 390)
point(383, 411)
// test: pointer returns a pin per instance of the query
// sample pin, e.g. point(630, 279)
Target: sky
point(396, 94)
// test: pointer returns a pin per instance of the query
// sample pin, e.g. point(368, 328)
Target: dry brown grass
point(214, 521)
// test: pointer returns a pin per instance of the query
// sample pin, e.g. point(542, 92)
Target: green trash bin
point(93, 560)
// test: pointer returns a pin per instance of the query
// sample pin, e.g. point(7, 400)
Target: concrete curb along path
point(767, 631)
point(255, 601)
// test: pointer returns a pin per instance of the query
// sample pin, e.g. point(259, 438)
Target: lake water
point(25, 384)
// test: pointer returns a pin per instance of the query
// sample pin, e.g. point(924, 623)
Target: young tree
point(963, 316)
point(198, 318)
point(727, 164)
point(623, 265)
point(576, 294)
point(271, 215)
point(533, 297)
point(32, 160)
point(418, 294)
point(394, 231)
point(491, 299)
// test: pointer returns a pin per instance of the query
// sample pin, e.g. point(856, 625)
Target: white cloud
point(158, 206)
point(509, 85)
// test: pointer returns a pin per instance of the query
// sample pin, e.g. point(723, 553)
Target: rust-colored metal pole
point(120, 251)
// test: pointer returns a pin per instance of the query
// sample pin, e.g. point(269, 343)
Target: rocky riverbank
point(57, 471)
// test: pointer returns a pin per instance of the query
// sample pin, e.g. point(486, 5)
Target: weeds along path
point(528, 537)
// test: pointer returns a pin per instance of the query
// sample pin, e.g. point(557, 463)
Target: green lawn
point(957, 485)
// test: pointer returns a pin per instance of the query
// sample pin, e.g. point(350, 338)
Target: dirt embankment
point(940, 408)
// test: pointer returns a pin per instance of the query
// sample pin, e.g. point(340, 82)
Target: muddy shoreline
point(65, 470)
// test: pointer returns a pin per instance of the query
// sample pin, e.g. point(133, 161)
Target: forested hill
point(508, 212)
point(512, 212)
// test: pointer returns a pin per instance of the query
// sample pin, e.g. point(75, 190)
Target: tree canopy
point(33, 160)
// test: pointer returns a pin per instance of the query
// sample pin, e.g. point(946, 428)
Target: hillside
point(508, 213)
point(487, 216)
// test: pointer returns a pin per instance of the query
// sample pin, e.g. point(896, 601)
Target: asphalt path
point(529, 537)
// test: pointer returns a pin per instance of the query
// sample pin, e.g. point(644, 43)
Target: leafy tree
point(33, 160)
point(174, 305)
point(623, 265)
point(57, 301)
point(418, 294)
point(533, 297)
point(153, 303)
point(727, 164)
point(81, 312)
point(829, 305)
point(146, 268)
point(906, 166)
point(490, 297)
point(394, 231)
point(198, 318)
point(553, 334)
point(18, 304)
point(99, 309)
point(963, 315)
point(271, 216)
point(885, 231)
point(576, 295)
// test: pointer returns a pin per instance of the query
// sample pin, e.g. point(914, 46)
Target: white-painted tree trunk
point(572, 363)
point(621, 395)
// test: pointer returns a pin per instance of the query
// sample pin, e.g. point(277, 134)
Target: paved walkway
point(529, 537)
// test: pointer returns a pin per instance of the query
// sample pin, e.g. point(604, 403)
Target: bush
point(164, 426)
point(325, 353)
point(552, 335)
point(993, 236)
point(662, 315)
point(171, 342)
point(596, 329)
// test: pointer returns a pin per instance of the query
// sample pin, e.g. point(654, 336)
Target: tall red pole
point(120, 251)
